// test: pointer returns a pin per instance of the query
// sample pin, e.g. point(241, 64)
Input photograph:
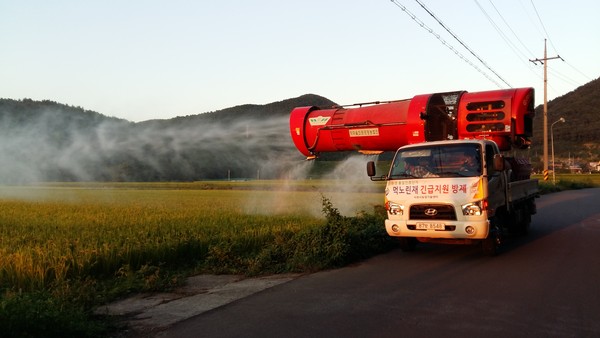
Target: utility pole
point(543, 61)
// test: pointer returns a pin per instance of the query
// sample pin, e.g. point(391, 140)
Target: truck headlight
point(472, 209)
point(395, 208)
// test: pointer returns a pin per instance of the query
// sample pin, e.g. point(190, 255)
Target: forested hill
point(249, 111)
point(578, 137)
point(48, 141)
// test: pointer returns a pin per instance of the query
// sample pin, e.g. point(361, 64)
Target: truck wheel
point(491, 244)
point(407, 243)
point(526, 223)
point(519, 222)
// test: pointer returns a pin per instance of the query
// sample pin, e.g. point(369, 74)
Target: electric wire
point(500, 32)
point(520, 55)
point(515, 49)
point(520, 52)
point(460, 41)
point(564, 77)
point(512, 31)
point(553, 71)
point(437, 36)
point(578, 71)
point(547, 36)
point(531, 21)
point(512, 45)
point(543, 27)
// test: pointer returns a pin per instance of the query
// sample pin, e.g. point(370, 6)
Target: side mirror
point(371, 171)
point(498, 162)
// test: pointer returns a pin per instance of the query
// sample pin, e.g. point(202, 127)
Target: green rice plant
point(71, 232)
point(77, 246)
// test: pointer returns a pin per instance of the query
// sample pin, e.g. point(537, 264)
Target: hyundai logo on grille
point(430, 212)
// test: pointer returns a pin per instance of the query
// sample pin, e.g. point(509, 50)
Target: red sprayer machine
point(441, 131)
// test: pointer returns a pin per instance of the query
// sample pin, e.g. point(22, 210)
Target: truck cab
point(452, 192)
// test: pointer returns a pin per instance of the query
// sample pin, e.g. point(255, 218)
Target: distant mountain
point(49, 141)
point(247, 111)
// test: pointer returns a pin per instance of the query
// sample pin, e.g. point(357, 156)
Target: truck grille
point(432, 212)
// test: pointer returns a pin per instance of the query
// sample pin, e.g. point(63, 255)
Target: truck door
point(440, 116)
point(496, 184)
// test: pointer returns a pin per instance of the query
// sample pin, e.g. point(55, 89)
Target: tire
point(491, 245)
point(407, 244)
point(525, 223)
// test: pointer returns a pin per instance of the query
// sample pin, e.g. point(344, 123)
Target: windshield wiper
point(403, 175)
point(450, 174)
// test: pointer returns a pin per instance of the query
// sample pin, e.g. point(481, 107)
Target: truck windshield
point(448, 160)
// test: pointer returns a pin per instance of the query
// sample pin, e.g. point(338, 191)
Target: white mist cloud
point(49, 144)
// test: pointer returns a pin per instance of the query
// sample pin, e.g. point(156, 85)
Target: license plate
point(430, 226)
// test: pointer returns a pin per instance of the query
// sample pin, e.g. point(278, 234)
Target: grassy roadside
point(567, 182)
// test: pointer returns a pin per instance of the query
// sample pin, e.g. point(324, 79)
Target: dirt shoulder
point(153, 312)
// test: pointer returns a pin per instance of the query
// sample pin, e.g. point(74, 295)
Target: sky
point(142, 60)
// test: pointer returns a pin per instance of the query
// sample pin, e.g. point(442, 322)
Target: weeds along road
point(544, 285)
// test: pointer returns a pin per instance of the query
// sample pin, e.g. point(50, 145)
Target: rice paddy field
point(67, 247)
point(55, 232)
point(567, 181)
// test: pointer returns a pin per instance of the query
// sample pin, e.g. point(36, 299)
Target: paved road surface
point(543, 285)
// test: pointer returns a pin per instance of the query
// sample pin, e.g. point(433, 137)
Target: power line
point(460, 41)
point(510, 28)
point(542, 24)
point(516, 49)
point(518, 53)
point(564, 77)
point(437, 36)
point(547, 36)
point(526, 11)
point(578, 71)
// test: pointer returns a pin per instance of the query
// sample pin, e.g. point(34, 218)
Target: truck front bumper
point(438, 229)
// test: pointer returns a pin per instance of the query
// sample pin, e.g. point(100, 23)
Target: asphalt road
point(544, 285)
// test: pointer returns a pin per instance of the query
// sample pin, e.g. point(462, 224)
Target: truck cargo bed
point(523, 189)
